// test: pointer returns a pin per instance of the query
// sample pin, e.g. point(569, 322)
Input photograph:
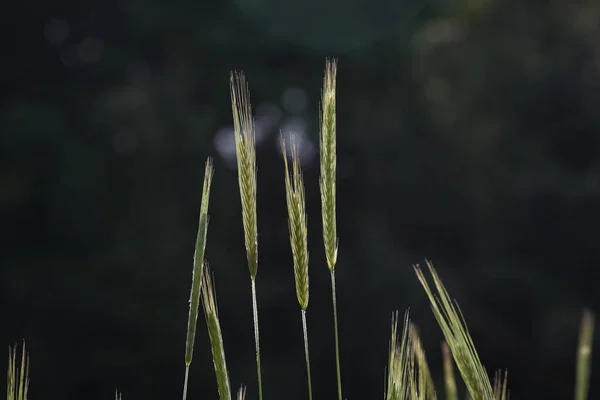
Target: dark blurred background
point(468, 133)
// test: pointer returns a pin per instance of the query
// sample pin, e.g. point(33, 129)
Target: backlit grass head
point(328, 163)
point(241, 395)
point(398, 382)
point(209, 303)
point(501, 386)
point(421, 380)
point(457, 336)
point(17, 384)
point(449, 379)
point(245, 149)
point(296, 205)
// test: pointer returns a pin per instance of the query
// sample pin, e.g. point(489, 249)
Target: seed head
point(296, 206)
point(457, 336)
point(328, 163)
point(243, 126)
point(209, 304)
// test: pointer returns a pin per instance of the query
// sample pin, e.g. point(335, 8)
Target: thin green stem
point(256, 338)
point(337, 340)
point(306, 354)
point(185, 381)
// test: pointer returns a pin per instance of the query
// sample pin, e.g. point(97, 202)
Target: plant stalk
point(256, 338)
point(337, 341)
point(306, 354)
point(185, 381)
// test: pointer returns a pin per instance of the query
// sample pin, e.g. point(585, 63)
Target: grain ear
point(245, 150)
point(457, 336)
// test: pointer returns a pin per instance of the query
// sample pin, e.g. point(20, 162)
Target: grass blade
point(197, 272)
point(584, 356)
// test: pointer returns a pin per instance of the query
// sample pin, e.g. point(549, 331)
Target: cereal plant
point(407, 372)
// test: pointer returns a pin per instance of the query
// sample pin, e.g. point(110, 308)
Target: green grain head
point(457, 336)
point(449, 379)
point(296, 206)
point(501, 386)
point(328, 163)
point(422, 382)
point(399, 363)
point(245, 149)
point(209, 304)
point(17, 384)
